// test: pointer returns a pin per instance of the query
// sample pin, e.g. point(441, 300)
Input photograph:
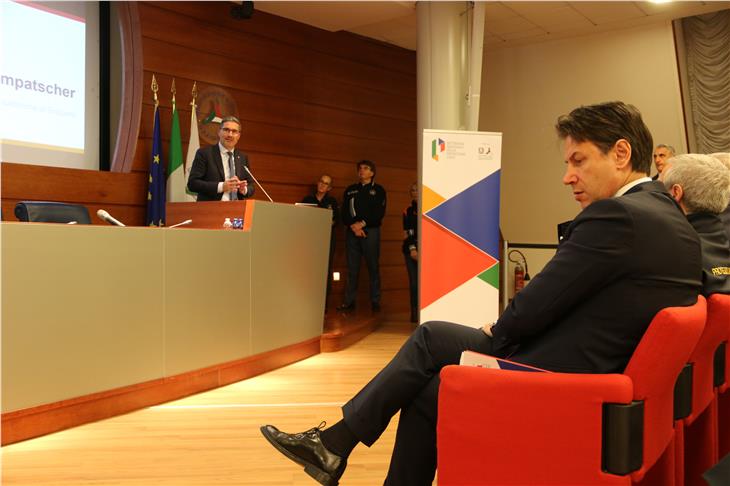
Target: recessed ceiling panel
point(605, 12)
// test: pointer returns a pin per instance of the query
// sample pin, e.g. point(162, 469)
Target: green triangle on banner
point(491, 275)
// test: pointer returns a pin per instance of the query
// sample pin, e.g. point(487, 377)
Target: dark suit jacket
point(622, 260)
point(715, 252)
point(207, 172)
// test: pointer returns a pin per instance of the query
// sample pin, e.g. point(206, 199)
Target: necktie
point(232, 166)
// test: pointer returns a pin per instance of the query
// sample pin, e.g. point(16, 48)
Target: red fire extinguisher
point(521, 274)
point(519, 277)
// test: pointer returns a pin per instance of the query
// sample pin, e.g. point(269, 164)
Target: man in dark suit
point(629, 253)
point(219, 171)
point(701, 186)
point(662, 153)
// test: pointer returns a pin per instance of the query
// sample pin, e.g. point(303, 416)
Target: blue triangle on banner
point(473, 214)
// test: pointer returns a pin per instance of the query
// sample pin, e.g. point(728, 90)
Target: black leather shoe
point(375, 307)
point(306, 449)
point(346, 307)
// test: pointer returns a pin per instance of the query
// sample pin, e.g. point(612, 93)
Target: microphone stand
point(258, 184)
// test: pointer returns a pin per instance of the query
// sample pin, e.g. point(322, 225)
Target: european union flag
point(156, 188)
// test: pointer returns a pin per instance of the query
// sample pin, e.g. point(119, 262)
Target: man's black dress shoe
point(306, 449)
point(346, 307)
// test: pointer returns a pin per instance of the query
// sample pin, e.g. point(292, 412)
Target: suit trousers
point(357, 248)
point(409, 383)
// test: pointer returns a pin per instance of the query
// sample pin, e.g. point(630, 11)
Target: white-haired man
point(724, 157)
point(701, 186)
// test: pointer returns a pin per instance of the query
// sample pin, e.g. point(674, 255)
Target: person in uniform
point(363, 209)
point(322, 199)
point(410, 249)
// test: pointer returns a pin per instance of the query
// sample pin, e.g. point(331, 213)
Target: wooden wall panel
point(123, 195)
point(165, 58)
point(231, 41)
point(270, 110)
point(266, 26)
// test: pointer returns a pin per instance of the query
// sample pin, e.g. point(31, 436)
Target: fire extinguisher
point(519, 277)
point(521, 274)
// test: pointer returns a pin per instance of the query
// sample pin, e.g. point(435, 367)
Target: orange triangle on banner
point(431, 199)
point(447, 261)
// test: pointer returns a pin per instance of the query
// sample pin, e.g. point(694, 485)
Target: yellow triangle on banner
point(430, 199)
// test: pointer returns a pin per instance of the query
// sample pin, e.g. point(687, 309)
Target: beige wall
point(526, 88)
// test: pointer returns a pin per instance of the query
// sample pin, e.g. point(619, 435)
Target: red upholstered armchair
point(720, 309)
point(511, 428)
point(696, 431)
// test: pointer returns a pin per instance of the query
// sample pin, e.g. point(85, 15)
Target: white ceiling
point(506, 23)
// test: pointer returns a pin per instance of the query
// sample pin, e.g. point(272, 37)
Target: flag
point(193, 147)
point(176, 179)
point(156, 188)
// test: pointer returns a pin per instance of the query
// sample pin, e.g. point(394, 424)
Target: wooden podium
point(210, 214)
point(190, 309)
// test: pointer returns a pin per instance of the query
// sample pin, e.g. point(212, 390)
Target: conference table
point(87, 308)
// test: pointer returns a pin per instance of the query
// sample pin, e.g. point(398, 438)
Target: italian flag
point(175, 171)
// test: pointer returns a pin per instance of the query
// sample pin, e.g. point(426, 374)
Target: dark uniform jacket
point(622, 260)
point(364, 202)
point(715, 252)
point(725, 217)
point(327, 202)
point(207, 172)
point(410, 226)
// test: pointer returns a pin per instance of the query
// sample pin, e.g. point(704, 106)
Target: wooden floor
point(213, 438)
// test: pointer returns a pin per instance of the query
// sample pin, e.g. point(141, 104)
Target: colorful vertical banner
point(459, 259)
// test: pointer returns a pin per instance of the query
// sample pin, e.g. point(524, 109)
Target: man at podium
point(220, 171)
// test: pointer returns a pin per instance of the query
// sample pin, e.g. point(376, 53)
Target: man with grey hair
point(661, 154)
point(724, 157)
point(701, 186)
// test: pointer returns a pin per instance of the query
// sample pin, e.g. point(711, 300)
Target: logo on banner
point(437, 146)
point(484, 152)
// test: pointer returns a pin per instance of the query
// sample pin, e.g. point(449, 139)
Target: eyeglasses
point(232, 131)
point(324, 182)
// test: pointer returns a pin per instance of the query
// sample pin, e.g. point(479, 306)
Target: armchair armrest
point(515, 428)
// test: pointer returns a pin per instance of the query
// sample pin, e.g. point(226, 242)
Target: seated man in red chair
point(629, 253)
point(701, 186)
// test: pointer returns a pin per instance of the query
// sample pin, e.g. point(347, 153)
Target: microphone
point(108, 218)
point(257, 183)
point(187, 221)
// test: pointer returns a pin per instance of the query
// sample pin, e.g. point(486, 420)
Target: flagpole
point(194, 142)
point(155, 88)
point(156, 187)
